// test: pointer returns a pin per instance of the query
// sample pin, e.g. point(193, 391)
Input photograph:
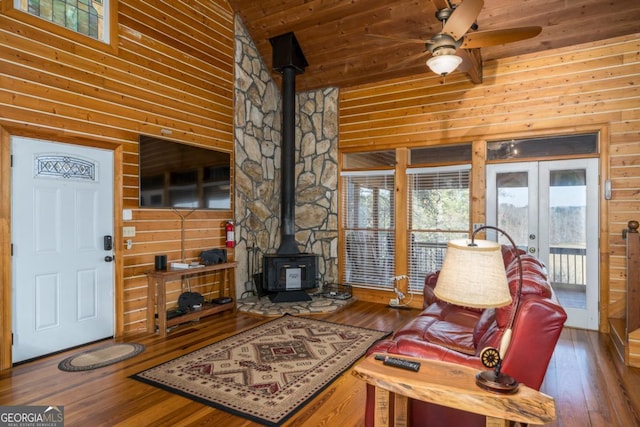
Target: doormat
point(268, 372)
point(99, 357)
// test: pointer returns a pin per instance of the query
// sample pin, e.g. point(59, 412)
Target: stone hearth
point(318, 305)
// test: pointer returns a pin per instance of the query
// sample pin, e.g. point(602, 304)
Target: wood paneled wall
point(169, 74)
point(594, 87)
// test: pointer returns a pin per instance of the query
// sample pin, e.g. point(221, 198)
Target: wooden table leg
point(232, 285)
point(497, 422)
point(151, 305)
point(162, 306)
point(382, 408)
point(401, 411)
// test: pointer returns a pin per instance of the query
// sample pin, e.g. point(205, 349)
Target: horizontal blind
point(368, 222)
point(438, 212)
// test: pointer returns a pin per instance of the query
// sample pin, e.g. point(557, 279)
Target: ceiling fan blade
point(410, 61)
point(398, 39)
point(495, 37)
point(462, 18)
point(441, 4)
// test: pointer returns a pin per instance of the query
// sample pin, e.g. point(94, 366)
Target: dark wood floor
point(590, 388)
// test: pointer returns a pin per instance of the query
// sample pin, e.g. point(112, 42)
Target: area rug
point(318, 305)
point(266, 373)
point(99, 357)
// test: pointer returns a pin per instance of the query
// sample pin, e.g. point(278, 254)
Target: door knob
point(532, 250)
point(108, 258)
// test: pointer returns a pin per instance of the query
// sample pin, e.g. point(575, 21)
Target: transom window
point(544, 147)
point(88, 17)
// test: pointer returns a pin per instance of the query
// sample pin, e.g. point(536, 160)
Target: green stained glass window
point(83, 16)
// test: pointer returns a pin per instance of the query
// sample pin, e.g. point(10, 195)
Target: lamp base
point(503, 383)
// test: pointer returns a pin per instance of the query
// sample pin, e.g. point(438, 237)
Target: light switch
point(127, 215)
point(128, 231)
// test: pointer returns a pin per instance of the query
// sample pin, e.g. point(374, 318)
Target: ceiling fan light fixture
point(443, 64)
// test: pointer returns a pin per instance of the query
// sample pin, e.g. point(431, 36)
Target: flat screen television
point(175, 175)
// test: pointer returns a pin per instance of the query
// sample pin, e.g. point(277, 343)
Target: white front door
point(62, 277)
point(550, 209)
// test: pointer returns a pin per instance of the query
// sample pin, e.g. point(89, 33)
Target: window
point(441, 155)
point(88, 17)
point(370, 159)
point(368, 204)
point(438, 212)
point(544, 147)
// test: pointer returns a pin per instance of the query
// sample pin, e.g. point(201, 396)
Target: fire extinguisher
point(229, 228)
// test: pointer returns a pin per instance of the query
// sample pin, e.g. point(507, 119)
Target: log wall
point(591, 87)
point(169, 73)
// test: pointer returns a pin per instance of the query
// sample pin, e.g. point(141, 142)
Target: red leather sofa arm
point(414, 347)
point(430, 281)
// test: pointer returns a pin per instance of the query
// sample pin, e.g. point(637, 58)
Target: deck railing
point(425, 258)
point(566, 267)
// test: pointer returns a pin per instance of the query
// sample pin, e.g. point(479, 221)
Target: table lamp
point(473, 275)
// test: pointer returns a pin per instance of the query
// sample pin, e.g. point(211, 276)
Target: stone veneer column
point(258, 126)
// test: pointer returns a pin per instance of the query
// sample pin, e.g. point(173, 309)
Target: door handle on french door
point(108, 258)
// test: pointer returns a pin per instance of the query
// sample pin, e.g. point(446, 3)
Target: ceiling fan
point(450, 49)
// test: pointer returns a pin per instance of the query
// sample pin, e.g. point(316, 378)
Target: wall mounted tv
point(175, 175)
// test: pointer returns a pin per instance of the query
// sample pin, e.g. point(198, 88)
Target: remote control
point(399, 363)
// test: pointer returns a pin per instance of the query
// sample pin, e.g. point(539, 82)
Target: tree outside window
point(438, 212)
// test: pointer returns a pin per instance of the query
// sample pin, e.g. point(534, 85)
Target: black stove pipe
point(289, 60)
point(288, 244)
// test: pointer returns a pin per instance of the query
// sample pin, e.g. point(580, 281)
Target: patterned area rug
point(266, 373)
point(100, 357)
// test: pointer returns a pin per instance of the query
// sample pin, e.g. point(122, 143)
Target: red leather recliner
point(457, 334)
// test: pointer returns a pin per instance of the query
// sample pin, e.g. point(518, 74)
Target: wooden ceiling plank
point(333, 33)
point(315, 12)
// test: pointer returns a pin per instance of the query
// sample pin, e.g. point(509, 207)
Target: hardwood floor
point(589, 383)
point(590, 388)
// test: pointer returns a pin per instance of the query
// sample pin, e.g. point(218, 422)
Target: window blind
point(438, 212)
point(368, 223)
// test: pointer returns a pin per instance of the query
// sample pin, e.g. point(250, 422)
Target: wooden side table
point(451, 385)
point(157, 294)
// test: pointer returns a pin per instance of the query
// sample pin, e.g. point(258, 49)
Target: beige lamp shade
point(473, 276)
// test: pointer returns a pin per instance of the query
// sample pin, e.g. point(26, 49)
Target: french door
point(550, 209)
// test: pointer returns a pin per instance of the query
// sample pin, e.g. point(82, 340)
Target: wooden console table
point(451, 385)
point(157, 295)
